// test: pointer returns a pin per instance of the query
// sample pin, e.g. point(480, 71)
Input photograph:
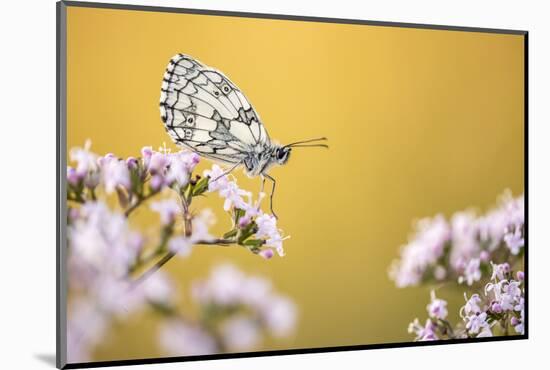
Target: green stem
point(170, 255)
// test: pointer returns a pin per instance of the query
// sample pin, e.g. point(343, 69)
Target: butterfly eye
point(281, 154)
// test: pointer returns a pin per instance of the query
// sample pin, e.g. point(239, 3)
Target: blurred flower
point(179, 338)
point(222, 288)
point(240, 333)
point(462, 249)
point(85, 329)
point(158, 289)
point(182, 245)
point(472, 272)
point(132, 163)
point(181, 166)
point(439, 272)
point(114, 172)
point(157, 182)
point(280, 315)
point(158, 163)
point(86, 161)
point(509, 212)
point(514, 240)
point(102, 249)
point(229, 287)
point(102, 239)
point(464, 240)
point(106, 257)
point(424, 249)
point(201, 225)
point(72, 176)
point(146, 154)
point(168, 209)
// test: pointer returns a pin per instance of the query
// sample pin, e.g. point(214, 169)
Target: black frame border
point(61, 126)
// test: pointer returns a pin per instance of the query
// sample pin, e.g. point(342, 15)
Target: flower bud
point(496, 307)
point(132, 163)
point(244, 222)
point(266, 253)
point(72, 176)
point(157, 182)
point(520, 275)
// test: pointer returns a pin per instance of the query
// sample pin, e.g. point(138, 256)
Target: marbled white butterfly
point(207, 113)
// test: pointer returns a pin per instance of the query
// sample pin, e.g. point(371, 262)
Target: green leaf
point(200, 187)
point(253, 243)
point(230, 234)
point(247, 232)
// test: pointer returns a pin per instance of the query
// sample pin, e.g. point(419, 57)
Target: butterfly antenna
point(297, 143)
point(309, 146)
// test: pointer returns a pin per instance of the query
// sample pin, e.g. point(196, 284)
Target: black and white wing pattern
point(203, 110)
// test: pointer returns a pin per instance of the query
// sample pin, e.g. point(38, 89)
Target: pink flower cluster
point(485, 314)
point(107, 259)
point(160, 168)
point(460, 248)
point(238, 199)
point(502, 302)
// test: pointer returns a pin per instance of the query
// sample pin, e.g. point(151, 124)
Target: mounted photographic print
point(235, 184)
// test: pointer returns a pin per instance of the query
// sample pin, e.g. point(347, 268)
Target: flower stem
point(168, 256)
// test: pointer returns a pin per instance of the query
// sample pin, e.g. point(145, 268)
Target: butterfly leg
point(272, 193)
point(263, 183)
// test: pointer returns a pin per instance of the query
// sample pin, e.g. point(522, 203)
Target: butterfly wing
point(203, 110)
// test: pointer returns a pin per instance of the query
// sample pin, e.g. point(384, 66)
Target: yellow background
point(419, 122)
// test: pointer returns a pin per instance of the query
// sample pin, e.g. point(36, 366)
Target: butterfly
point(204, 111)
